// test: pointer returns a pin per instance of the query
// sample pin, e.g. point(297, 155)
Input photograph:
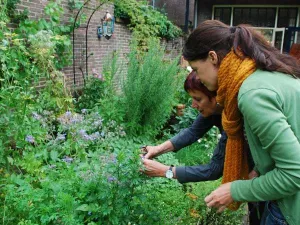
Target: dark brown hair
point(192, 83)
point(213, 35)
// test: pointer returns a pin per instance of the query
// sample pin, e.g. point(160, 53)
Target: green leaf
point(54, 155)
point(84, 208)
point(10, 160)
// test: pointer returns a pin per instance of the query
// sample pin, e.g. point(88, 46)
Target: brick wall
point(97, 49)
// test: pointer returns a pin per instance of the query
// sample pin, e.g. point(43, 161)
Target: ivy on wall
point(145, 22)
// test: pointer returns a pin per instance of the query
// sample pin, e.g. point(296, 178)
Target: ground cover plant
point(72, 162)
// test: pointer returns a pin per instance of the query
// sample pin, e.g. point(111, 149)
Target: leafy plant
point(204, 215)
point(201, 151)
point(186, 120)
point(181, 96)
point(99, 87)
point(14, 15)
point(145, 22)
point(58, 166)
point(149, 90)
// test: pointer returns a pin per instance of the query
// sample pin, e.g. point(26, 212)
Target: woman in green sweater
point(259, 89)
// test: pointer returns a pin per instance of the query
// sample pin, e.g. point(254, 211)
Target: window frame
point(275, 28)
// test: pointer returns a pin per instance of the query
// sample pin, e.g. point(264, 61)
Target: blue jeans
point(272, 215)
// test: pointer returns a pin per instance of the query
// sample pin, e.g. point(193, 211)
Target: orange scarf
point(232, 73)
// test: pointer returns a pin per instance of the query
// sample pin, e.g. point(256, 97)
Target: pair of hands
point(219, 198)
point(152, 168)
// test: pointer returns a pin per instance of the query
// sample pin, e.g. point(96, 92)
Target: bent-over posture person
point(259, 88)
point(205, 102)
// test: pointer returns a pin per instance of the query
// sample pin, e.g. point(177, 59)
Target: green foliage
point(207, 216)
point(55, 32)
point(181, 96)
point(186, 120)
point(28, 55)
point(13, 14)
point(62, 167)
point(92, 92)
point(145, 22)
point(104, 188)
point(99, 87)
point(200, 152)
point(112, 107)
point(149, 90)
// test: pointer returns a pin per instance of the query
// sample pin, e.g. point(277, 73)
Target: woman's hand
point(153, 168)
point(150, 151)
point(220, 198)
point(253, 174)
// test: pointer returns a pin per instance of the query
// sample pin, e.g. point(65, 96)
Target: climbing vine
point(145, 22)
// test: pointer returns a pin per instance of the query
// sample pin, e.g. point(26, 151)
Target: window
point(223, 14)
point(257, 17)
point(287, 17)
point(264, 19)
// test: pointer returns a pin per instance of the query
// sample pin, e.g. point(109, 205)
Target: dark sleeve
point(190, 135)
point(211, 171)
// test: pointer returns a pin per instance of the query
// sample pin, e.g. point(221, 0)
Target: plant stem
point(4, 211)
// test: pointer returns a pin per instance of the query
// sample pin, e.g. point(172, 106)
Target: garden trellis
point(86, 27)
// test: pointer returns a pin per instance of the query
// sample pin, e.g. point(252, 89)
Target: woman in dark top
point(210, 115)
point(204, 101)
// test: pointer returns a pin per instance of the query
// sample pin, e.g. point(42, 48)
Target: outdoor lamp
point(107, 28)
point(99, 32)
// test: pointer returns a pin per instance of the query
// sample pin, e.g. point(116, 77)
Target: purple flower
point(30, 139)
point(67, 159)
point(122, 133)
point(97, 74)
point(74, 120)
point(84, 111)
point(68, 114)
point(82, 132)
point(86, 137)
point(98, 123)
point(36, 116)
point(61, 137)
point(47, 113)
point(113, 158)
point(111, 179)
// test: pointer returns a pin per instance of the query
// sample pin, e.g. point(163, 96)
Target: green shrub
point(149, 90)
point(99, 86)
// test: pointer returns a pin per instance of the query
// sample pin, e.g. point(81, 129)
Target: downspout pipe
point(195, 14)
point(187, 9)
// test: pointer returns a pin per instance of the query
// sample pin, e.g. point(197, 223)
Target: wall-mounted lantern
point(107, 26)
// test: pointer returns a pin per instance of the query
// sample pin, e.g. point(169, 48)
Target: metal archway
point(86, 39)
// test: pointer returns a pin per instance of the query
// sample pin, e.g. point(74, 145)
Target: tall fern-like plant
point(149, 90)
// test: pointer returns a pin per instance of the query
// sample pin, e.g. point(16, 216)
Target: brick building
point(95, 49)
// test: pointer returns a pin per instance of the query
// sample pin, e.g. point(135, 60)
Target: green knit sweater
point(270, 104)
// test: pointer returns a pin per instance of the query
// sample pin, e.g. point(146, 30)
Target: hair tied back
point(232, 29)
